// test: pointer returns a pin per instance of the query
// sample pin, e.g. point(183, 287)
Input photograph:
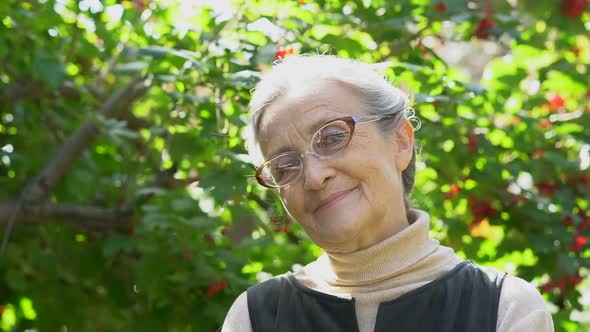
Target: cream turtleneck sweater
point(401, 263)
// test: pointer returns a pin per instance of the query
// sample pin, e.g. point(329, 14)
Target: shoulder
point(270, 285)
point(238, 317)
point(522, 307)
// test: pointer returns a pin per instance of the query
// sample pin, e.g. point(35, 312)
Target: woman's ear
point(404, 144)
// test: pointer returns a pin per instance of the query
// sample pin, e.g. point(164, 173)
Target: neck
point(385, 259)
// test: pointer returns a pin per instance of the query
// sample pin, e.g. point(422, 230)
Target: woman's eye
point(284, 170)
point(334, 139)
point(287, 167)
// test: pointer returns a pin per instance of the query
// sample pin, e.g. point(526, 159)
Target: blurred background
point(127, 202)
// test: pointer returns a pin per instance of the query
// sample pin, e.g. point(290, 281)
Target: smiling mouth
point(333, 199)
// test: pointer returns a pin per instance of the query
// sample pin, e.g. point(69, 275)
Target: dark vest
point(464, 299)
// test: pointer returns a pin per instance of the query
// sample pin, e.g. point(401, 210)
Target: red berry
point(516, 120)
point(186, 256)
point(131, 232)
point(274, 220)
point(440, 7)
point(545, 124)
point(546, 189)
point(483, 28)
point(574, 8)
point(282, 52)
point(567, 221)
point(285, 228)
point(139, 5)
point(454, 191)
point(576, 51)
point(584, 179)
point(538, 154)
point(216, 288)
point(578, 244)
point(473, 142)
point(481, 209)
point(556, 101)
point(561, 283)
point(585, 223)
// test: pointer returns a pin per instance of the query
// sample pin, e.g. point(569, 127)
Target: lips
point(332, 199)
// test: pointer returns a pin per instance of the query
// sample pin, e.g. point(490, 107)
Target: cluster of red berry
point(480, 209)
point(581, 180)
point(579, 243)
point(453, 192)
point(577, 246)
point(283, 52)
point(483, 27)
point(561, 283)
point(216, 288)
point(473, 142)
point(539, 153)
point(580, 240)
point(574, 8)
point(546, 188)
point(440, 7)
point(278, 227)
point(545, 124)
point(556, 101)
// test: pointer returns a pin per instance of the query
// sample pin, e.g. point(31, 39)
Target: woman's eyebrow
point(309, 131)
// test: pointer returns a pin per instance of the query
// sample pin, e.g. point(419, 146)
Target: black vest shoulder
point(465, 299)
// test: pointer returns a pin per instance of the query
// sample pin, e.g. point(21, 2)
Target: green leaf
point(117, 244)
point(49, 69)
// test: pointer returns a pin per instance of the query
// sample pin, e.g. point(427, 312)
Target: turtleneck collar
point(383, 260)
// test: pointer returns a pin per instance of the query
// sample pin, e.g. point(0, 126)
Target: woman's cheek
point(293, 205)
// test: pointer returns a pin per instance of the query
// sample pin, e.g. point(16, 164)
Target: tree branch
point(165, 180)
point(36, 90)
point(91, 217)
point(402, 45)
point(45, 182)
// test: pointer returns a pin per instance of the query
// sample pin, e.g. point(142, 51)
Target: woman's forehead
point(296, 116)
point(282, 127)
point(313, 107)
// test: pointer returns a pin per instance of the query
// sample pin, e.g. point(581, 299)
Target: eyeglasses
point(331, 138)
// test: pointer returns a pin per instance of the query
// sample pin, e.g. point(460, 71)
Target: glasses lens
point(331, 138)
point(281, 170)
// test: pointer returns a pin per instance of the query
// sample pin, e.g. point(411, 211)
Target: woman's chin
point(336, 232)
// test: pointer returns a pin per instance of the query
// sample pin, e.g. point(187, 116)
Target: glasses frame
point(350, 121)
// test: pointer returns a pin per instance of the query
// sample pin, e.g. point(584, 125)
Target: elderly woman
point(338, 146)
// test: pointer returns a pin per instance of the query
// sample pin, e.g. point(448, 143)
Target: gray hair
point(302, 73)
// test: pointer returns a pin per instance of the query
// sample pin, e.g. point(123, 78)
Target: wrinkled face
point(354, 199)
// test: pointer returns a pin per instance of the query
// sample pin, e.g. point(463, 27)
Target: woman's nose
point(316, 172)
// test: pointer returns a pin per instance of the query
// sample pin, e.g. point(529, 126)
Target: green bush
point(127, 200)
